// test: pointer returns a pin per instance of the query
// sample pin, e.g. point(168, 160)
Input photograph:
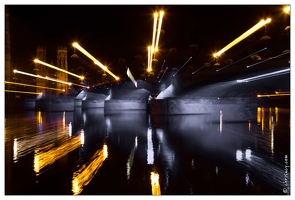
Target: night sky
point(110, 32)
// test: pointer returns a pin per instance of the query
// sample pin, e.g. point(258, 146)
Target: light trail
point(84, 175)
point(149, 59)
point(267, 60)
point(154, 31)
point(163, 74)
point(243, 36)
point(80, 85)
point(159, 29)
point(267, 75)
point(273, 95)
point(161, 69)
point(182, 66)
point(8, 82)
point(155, 39)
point(38, 76)
point(202, 67)
point(241, 59)
point(59, 69)
point(23, 92)
point(76, 45)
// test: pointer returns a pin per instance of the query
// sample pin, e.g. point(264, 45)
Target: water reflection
point(130, 159)
point(84, 175)
point(47, 155)
point(156, 190)
point(24, 145)
point(150, 148)
point(180, 154)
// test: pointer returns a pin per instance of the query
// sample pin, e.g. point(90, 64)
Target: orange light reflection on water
point(156, 190)
point(84, 175)
point(48, 155)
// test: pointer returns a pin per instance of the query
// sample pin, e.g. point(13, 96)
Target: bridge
point(231, 89)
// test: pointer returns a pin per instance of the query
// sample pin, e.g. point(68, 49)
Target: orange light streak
point(48, 155)
point(149, 59)
point(23, 92)
point(59, 69)
point(84, 175)
point(272, 95)
point(8, 82)
point(156, 190)
point(76, 45)
point(243, 36)
point(159, 29)
point(154, 30)
point(38, 76)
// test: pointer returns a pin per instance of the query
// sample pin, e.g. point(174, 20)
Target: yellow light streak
point(48, 155)
point(59, 69)
point(84, 175)
point(159, 29)
point(243, 36)
point(23, 92)
point(24, 145)
point(149, 59)
point(154, 30)
point(38, 76)
point(156, 190)
point(8, 82)
point(80, 85)
point(155, 38)
point(259, 115)
point(76, 45)
point(285, 92)
point(272, 95)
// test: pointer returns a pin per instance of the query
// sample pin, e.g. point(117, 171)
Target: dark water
point(87, 152)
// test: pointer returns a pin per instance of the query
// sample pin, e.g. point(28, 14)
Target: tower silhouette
point(62, 63)
point(41, 70)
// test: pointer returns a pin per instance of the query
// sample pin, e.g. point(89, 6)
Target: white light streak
point(38, 76)
point(131, 77)
point(267, 75)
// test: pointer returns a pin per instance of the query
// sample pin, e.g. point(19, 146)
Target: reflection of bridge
point(187, 90)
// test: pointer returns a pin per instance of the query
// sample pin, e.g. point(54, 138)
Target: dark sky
point(109, 32)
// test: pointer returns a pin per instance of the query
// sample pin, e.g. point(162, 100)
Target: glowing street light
point(59, 69)
point(243, 36)
point(76, 45)
point(287, 9)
